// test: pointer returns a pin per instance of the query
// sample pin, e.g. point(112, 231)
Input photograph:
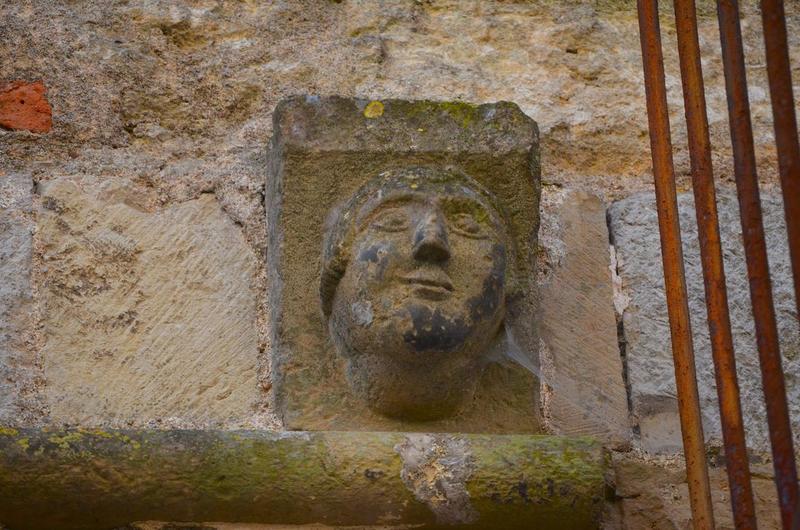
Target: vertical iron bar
point(672, 256)
point(719, 326)
point(788, 148)
point(780, 91)
point(756, 255)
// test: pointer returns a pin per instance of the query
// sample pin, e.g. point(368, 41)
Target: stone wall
point(132, 234)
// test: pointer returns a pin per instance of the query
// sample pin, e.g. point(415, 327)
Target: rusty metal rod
point(719, 326)
point(672, 256)
point(783, 113)
point(756, 256)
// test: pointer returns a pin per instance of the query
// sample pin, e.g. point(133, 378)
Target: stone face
point(634, 227)
point(323, 151)
point(149, 316)
point(20, 367)
point(24, 106)
point(415, 275)
point(584, 390)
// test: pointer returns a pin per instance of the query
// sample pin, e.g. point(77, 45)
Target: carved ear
point(329, 280)
point(334, 262)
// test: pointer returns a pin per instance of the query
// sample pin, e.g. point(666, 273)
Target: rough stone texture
point(148, 316)
point(450, 460)
point(584, 388)
point(24, 106)
point(324, 149)
point(177, 95)
point(180, 93)
point(20, 366)
point(107, 478)
point(634, 225)
point(212, 525)
point(655, 495)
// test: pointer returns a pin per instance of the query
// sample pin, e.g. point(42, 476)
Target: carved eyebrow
point(470, 205)
point(371, 208)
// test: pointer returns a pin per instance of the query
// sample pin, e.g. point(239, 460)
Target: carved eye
point(466, 225)
point(391, 220)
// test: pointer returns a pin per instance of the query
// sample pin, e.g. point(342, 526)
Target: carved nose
point(430, 240)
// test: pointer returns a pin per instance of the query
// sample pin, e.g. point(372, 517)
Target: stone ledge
point(84, 478)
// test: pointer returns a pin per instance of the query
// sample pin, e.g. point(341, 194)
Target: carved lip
point(435, 280)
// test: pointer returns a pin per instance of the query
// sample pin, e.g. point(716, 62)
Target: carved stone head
point(413, 288)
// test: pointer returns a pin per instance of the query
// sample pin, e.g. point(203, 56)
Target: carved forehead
point(460, 197)
point(419, 185)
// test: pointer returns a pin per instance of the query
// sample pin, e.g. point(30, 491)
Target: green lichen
point(100, 433)
point(8, 431)
point(374, 109)
point(462, 113)
point(250, 476)
point(128, 440)
point(64, 441)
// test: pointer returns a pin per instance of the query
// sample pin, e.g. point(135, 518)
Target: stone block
point(149, 315)
point(20, 371)
point(584, 388)
point(654, 493)
point(634, 226)
point(323, 151)
point(109, 478)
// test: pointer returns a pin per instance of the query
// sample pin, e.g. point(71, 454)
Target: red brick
point(24, 106)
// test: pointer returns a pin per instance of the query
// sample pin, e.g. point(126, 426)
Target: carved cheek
point(490, 297)
point(374, 258)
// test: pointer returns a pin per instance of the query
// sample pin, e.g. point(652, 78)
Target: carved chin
point(421, 361)
point(432, 330)
point(412, 393)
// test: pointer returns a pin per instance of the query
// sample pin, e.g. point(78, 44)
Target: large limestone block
point(325, 149)
point(20, 372)
point(634, 225)
point(149, 316)
point(109, 478)
point(584, 389)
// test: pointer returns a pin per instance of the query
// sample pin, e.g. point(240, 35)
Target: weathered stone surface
point(105, 479)
point(417, 274)
point(655, 494)
point(198, 81)
point(634, 227)
point(24, 106)
point(584, 388)
point(178, 95)
point(20, 367)
point(323, 151)
point(148, 316)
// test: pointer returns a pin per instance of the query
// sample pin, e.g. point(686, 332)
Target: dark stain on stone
point(370, 254)
point(431, 331)
point(373, 474)
point(522, 489)
point(486, 302)
point(178, 526)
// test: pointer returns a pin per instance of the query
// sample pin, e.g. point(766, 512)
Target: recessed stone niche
point(401, 263)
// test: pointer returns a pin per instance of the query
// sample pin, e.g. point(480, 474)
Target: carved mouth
point(435, 283)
